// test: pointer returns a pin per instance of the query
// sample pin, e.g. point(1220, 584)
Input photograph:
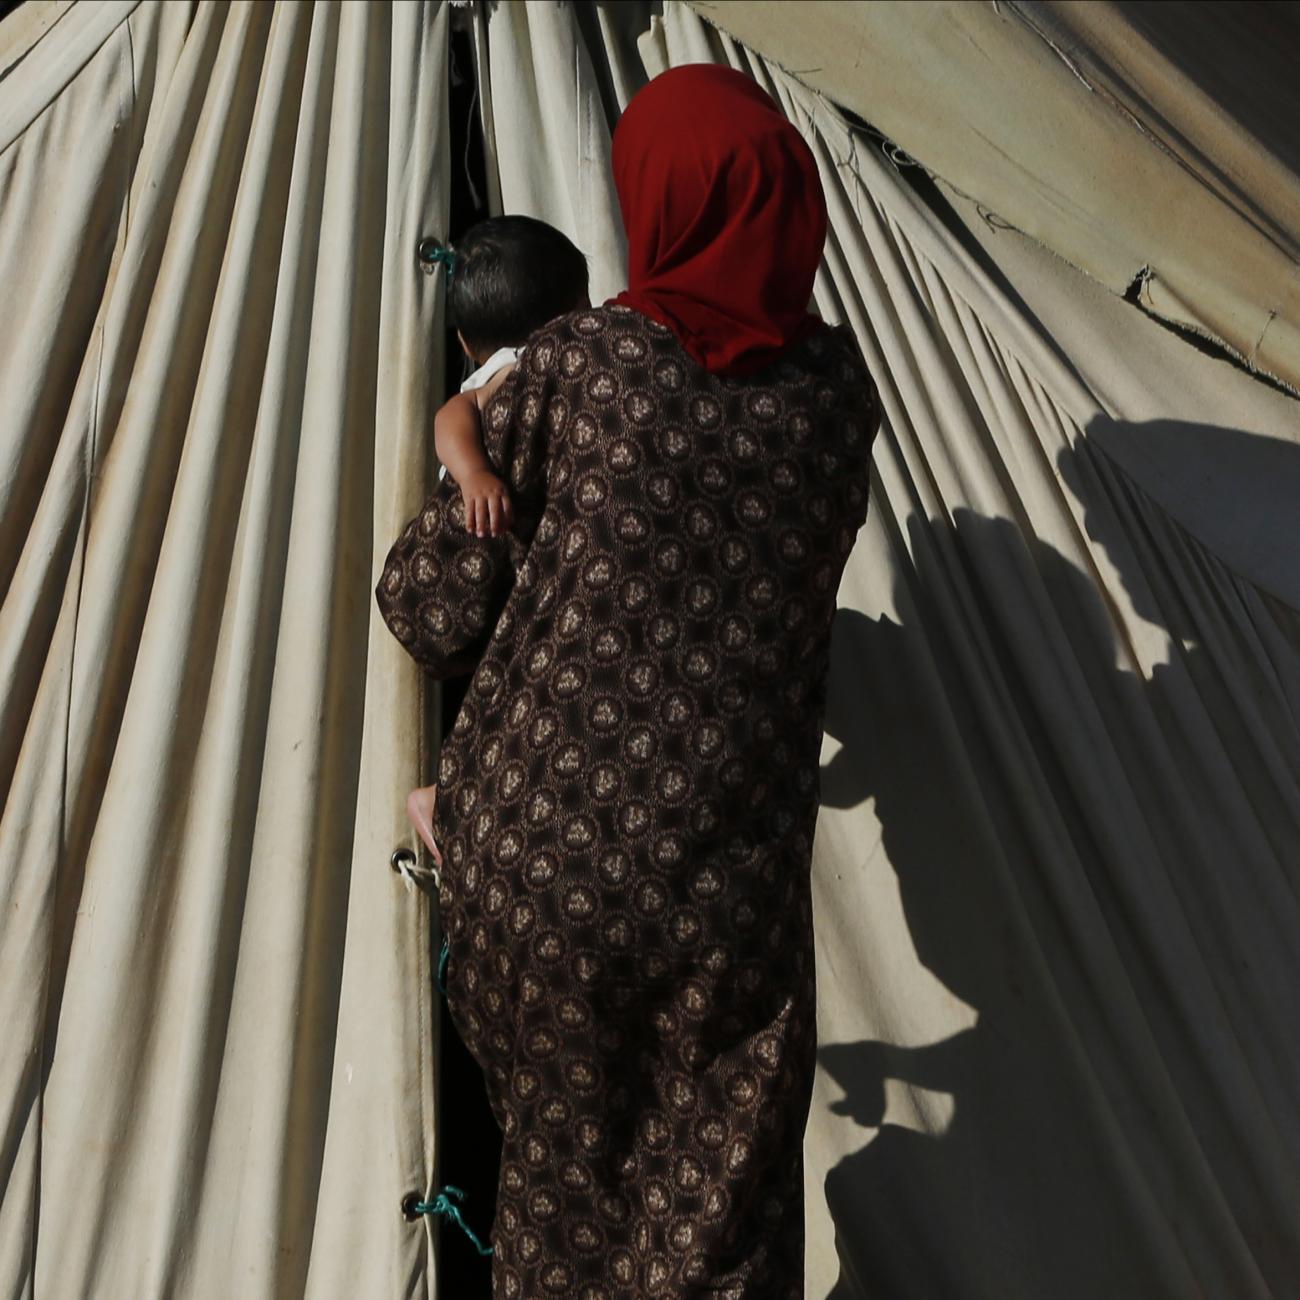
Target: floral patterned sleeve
point(442, 587)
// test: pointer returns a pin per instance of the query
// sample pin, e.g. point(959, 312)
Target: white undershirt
point(499, 360)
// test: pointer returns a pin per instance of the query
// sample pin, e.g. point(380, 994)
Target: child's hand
point(487, 504)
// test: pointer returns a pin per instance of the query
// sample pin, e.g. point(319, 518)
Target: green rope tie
point(441, 977)
point(445, 1204)
point(434, 254)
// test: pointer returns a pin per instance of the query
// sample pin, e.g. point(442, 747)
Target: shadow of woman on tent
point(1047, 1149)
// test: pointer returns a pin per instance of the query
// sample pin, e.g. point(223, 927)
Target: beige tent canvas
point(1056, 866)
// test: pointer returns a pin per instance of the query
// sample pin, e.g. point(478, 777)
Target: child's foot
point(419, 808)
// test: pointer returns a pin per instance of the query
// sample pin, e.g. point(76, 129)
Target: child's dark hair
point(511, 276)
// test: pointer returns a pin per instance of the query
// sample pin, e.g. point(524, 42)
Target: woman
point(628, 796)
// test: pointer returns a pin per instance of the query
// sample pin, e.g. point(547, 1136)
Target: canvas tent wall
point(1056, 866)
point(1150, 144)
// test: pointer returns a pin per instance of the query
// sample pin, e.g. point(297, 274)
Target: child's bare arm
point(458, 438)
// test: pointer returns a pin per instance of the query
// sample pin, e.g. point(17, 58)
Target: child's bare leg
point(420, 805)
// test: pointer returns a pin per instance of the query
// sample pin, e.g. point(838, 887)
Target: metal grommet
point(432, 253)
point(424, 250)
point(409, 1202)
point(402, 858)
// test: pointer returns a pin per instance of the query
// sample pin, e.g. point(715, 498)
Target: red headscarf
point(724, 213)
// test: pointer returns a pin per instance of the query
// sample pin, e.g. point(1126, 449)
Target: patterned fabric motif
point(628, 796)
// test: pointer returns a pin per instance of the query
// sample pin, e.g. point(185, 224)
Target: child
point(507, 277)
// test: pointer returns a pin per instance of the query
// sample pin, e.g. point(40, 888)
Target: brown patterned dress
point(628, 795)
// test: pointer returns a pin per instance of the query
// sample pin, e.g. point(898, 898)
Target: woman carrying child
point(626, 803)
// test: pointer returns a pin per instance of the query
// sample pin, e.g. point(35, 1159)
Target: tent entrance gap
point(469, 1141)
